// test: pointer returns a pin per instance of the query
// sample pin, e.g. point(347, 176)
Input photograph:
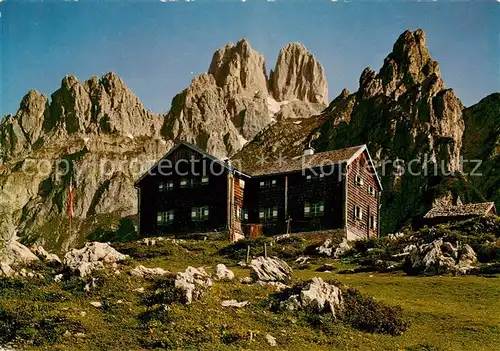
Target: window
point(184, 182)
point(165, 218)
point(358, 212)
point(372, 191)
point(312, 176)
point(242, 184)
point(359, 180)
point(315, 209)
point(268, 213)
point(242, 214)
point(165, 186)
point(373, 223)
point(199, 213)
point(204, 180)
point(267, 183)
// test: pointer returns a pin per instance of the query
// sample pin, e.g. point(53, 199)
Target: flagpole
point(70, 209)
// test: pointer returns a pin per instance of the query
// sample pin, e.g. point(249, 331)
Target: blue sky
point(157, 48)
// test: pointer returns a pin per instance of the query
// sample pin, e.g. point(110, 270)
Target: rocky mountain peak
point(408, 65)
point(298, 75)
point(239, 69)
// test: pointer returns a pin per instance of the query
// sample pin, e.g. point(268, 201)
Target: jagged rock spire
point(298, 75)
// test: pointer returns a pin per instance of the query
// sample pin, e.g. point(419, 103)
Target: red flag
point(70, 211)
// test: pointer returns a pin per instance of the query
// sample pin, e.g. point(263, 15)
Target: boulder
point(271, 269)
point(246, 280)
point(302, 259)
point(316, 295)
point(143, 272)
point(48, 258)
point(320, 296)
point(6, 270)
point(271, 340)
point(341, 249)
point(222, 273)
point(440, 257)
point(92, 257)
point(234, 303)
point(193, 282)
point(14, 253)
point(326, 248)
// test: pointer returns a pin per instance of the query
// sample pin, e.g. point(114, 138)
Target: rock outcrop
point(440, 257)
point(193, 282)
point(221, 272)
point(298, 76)
point(271, 269)
point(316, 295)
point(92, 257)
point(481, 143)
point(144, 272)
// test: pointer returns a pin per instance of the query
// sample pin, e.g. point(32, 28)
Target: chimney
point(308, 151)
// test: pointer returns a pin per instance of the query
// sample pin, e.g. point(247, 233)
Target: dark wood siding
point(328, 189)
point(183, 199)
point(239, 184)
point(359, 196)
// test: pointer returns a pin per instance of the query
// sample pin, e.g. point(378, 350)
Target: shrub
point(164, 292)
point(488, 253)
point(364, 313)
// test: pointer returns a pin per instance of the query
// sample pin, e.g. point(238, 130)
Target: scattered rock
point(329, 249)
point(6, 270)
point(193, 281)
point(318, 295)
point(326, 268)
point(326, 248)
point(48, 258)
point(271, 340)
point(246, 280)
point(92, 257)
point(58, 278)
point(139, 290)
point(151, 241)
point(143, 272)
point(15, 253)
point(234, 303)
point(440, 257)
point(279, 286)
point(343, 247)
point(271, 269)
point(96, 304)
point(302, 259)
point(222, 273)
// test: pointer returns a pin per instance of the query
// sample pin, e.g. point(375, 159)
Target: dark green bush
point(164, 292)
point(364, 313)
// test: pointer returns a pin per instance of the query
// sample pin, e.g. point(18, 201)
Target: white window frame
point(372, 191)
point(184, 183)
point(314, 209)
point(201, 213)
point(359, 180)
point(204, 180)
point(269, 213)
point(373, 222)
point(165, 218)
point(358, 212)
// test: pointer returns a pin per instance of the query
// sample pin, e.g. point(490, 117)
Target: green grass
point(446, 313)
